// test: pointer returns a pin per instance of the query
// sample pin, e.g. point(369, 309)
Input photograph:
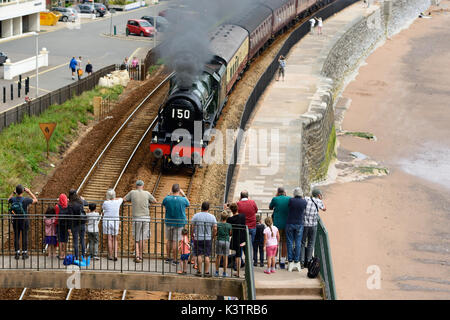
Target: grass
point(372, 170)
point(155, 66)
point(366, 135)
point(321, 172)
point(23, 148)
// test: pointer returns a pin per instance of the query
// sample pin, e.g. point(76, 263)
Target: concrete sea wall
point(343, 58)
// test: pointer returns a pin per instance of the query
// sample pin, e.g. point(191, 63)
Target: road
point(91, 41)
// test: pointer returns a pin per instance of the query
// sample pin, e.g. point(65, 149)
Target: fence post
point(4, 94)
point(12, 92)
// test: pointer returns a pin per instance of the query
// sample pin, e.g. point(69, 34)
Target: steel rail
point(120, 129)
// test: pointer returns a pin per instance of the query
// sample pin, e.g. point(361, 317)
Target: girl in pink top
point(185, 250)
point(271, 239)
point(50, 231)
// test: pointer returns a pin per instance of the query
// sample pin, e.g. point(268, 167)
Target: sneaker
point(267, 271)
point(168, 260)
point(216, 274)
point(291, 266)
point(24, 255)
point(282, 265)
point(224, 275)
point(296, 265)
point(255, 264)
point(17, 257)
point(261, 264)
point(174, 262)
point(273, 270)
point(96, 258)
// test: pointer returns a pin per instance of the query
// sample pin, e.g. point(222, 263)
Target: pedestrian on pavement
point(79, 68)
point(50, 231)
point(249, 208)
point(237, 221)
point(111, 221)
point(19, 209)
point(134, 63)
point(281, 67)
point(280, 206)
point(62, 224)
point(223, 243)
point(294, 228)
point(258, 243)
point(124, 65)
point(140, 202)
point(175, 219)
point(319, 25)
point(73, 66)
point(312, 21)
point(271, 240)
point(78, 227)
point(310, 219)
point(93, 218)
point(89, 68)
point(205, 229)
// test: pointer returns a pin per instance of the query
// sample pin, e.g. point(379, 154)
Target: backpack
point(17, 207)
point(69, 259)
point(313, 267)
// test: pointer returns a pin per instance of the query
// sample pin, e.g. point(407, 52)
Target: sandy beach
point(398, 223)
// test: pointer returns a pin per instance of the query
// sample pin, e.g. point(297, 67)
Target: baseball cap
point(140, 183)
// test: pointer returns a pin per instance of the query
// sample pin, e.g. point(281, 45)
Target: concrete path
point(280, 108)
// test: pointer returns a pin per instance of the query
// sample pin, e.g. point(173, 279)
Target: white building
point(19, 16)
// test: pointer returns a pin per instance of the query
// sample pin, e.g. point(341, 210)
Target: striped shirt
point(312, 212)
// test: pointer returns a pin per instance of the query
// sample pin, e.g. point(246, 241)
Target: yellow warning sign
point(47, 129)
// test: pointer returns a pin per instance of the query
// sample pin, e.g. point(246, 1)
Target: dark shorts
point(73, 69)
point(202, 248)
point(281, 71)
point(185, 256)
point(63, 234)
point(51, 240)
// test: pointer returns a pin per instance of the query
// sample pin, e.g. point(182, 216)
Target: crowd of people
point(292, 228)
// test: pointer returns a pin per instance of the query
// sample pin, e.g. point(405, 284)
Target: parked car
point(66, 14)
point(86, 8)
point(3, 58)
point(100, 8)
point(161, 23)
point(141, 27)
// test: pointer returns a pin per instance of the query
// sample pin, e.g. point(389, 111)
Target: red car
point(141, 27)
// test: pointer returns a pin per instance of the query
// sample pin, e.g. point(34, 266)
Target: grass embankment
point(322, 171)
point(23, 148)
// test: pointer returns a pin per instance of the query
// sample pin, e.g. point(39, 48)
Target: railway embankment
point(339, 60)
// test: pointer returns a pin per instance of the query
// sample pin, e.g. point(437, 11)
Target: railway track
point(112, 162)
point(45, 294)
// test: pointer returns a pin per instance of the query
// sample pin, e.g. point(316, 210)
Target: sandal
point(195, 267)
point(181, 272)
point(198, 274)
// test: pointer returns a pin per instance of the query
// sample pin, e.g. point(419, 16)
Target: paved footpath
point(280, 107)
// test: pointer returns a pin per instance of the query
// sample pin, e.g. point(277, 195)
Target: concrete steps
point(284, 285)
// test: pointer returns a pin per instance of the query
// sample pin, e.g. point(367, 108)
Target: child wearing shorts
point(185, 250)
point(271, 240)
point(223, 243)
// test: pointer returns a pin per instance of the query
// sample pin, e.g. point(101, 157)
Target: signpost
point(47, 129)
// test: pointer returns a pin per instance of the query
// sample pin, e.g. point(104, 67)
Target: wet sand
point(399, 222)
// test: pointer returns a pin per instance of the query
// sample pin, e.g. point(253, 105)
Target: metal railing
point(124, 226)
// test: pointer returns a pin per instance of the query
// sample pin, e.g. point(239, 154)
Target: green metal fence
point(323, 252)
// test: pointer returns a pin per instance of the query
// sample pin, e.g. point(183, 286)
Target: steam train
point(181, 133)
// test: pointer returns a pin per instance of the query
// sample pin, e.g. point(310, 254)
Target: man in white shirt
point(313, 23)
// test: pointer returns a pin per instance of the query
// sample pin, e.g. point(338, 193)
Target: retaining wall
point(344, 56)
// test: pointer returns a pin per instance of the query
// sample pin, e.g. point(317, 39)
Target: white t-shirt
point(111, 209)
point(271, 240)
point(313, 22)
point(93, 219)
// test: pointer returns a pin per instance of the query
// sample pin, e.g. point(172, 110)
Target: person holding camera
point(19, 210)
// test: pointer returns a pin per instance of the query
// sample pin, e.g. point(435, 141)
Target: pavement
point(290, 98)
point(63, 41)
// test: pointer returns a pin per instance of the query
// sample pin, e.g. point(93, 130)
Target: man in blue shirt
point(175, 219)
point(294, 228)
